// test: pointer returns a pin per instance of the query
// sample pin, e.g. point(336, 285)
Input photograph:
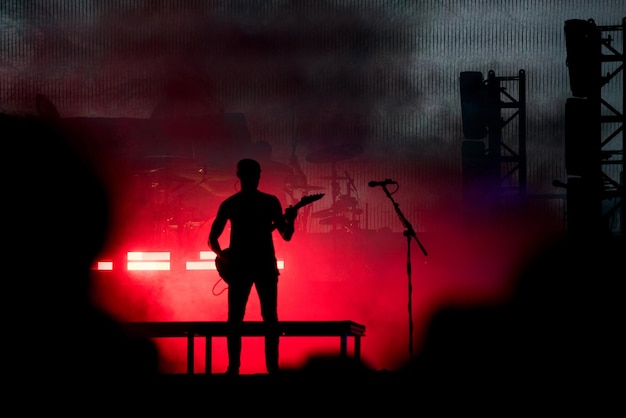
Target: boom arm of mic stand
point(409, 231)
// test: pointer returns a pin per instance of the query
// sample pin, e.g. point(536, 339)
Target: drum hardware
point(336, 220)
point(341, 205)
point(323, 213)
point(300, 182)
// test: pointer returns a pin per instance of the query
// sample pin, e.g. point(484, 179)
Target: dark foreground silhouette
point(555, 342)
point(62, 348)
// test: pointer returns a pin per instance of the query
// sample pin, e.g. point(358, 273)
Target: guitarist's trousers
point(238, 293)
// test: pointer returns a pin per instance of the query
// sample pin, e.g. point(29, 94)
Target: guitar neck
point(306, 200)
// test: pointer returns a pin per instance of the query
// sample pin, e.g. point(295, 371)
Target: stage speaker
point(584, 53)
point(582, 141)
point(480, 104)
point(474, 162)
point(472, 102)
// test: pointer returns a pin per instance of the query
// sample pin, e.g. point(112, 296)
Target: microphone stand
point(409, 233)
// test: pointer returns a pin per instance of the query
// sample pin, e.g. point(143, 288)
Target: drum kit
point(343, 213)
point(174, 181)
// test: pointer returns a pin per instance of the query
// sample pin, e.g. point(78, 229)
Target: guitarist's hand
point(290, 214)
point(286, 223)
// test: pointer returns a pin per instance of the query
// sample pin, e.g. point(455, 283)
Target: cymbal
point(167, 178)
point(202, 173)
point(323, 213)
point(335, 220)
point(149, 170)
point(333, 178)
point(153, 163)
point(346, 210)
point(299, 182)
point(166, 159)
point(306, 187)
point(335, 153)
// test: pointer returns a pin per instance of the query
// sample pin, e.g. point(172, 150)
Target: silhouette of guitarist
point(250, 258)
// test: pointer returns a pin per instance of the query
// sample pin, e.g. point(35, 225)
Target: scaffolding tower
point(494, 171)
point(594, 127)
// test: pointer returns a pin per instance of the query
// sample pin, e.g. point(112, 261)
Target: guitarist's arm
point(217, 228)
point(286, 224)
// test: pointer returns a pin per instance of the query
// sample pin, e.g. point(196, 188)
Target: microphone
point(381, 183)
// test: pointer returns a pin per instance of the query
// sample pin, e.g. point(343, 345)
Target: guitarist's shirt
point(252, 216)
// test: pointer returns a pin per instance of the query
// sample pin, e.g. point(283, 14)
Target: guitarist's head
point(249, 173)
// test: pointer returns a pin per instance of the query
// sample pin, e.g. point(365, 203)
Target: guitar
point(224, 263)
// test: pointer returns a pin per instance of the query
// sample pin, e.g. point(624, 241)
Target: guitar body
point(224, 265)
